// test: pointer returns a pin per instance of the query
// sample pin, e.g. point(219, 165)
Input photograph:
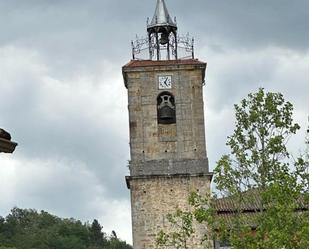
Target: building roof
point(6, 145)
point(247, 209)
point(145, 63)
point(250, 202)
point(161, 16)
point(4, 134)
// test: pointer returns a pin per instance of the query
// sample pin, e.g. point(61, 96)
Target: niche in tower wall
point(166, 108)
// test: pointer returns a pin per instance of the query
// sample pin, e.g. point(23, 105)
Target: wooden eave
point(7, 146)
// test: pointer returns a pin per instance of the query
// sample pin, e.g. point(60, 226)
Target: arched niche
point(166, 108)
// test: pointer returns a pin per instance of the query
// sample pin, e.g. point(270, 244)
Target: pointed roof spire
point(161, 16)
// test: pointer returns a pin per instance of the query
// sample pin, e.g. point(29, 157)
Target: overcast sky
point(63, 100)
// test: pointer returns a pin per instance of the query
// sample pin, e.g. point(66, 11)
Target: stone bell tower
point(167, 133)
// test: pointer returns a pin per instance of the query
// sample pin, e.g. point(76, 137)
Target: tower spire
point(161, 16)
point(162, 41)
point(162, 32)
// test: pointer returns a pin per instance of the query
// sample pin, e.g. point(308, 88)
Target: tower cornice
point(164, 65)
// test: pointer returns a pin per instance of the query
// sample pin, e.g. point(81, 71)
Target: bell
point(164, 38)
point(166, 115)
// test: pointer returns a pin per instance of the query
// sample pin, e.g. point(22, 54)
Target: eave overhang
point(7, 146)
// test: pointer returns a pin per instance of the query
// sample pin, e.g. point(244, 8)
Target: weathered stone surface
point(168, 161)
point(154, 197)
point(169, 167)
point(186, 139)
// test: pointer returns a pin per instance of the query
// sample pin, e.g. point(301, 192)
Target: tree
point(259, 170)
point(115, 243)
point(264, 124)
point(97, 237)
point(27, 228)
point(182, 226)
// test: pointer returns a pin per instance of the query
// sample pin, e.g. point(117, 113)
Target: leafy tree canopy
point(27, 228)
point(260, 170)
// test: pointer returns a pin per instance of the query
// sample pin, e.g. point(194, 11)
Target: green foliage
point(259, 167)
point(115, 243)
point(26, 228)
point(264, 124)
point(260, 161)
point(182, 230)
point(97, 237)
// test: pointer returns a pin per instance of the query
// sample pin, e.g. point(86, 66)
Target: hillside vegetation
point(27, 228)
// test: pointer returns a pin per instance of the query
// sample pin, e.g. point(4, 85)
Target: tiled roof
point(250, 202)
point(249, 219)
point(247, 209)
point(145, 63)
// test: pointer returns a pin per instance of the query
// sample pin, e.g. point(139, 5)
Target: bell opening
point(166, 108)
point(164, 38)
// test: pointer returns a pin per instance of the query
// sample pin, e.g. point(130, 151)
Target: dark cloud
point(246, 24)
point(75, 35)
point(51, 119)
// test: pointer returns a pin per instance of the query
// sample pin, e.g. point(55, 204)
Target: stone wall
point(152, 198)
point(168, 161)
point(152, 141)
point(169, 167)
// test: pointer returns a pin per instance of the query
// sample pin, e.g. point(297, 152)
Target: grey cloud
point(63, 100)
point(50, 120)
point(75, 34)
point(246, 24)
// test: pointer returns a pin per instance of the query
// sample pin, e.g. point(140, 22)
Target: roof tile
point(145, 63)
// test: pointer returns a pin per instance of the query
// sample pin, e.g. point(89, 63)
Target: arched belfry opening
point(166, 108)
point(162, 33)
point(162, 41)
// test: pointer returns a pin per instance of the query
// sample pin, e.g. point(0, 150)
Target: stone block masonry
point(153, 198)
point(150, 140)
point(168, 161)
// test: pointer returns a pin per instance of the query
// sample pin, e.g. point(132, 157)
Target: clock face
point(165, 81)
